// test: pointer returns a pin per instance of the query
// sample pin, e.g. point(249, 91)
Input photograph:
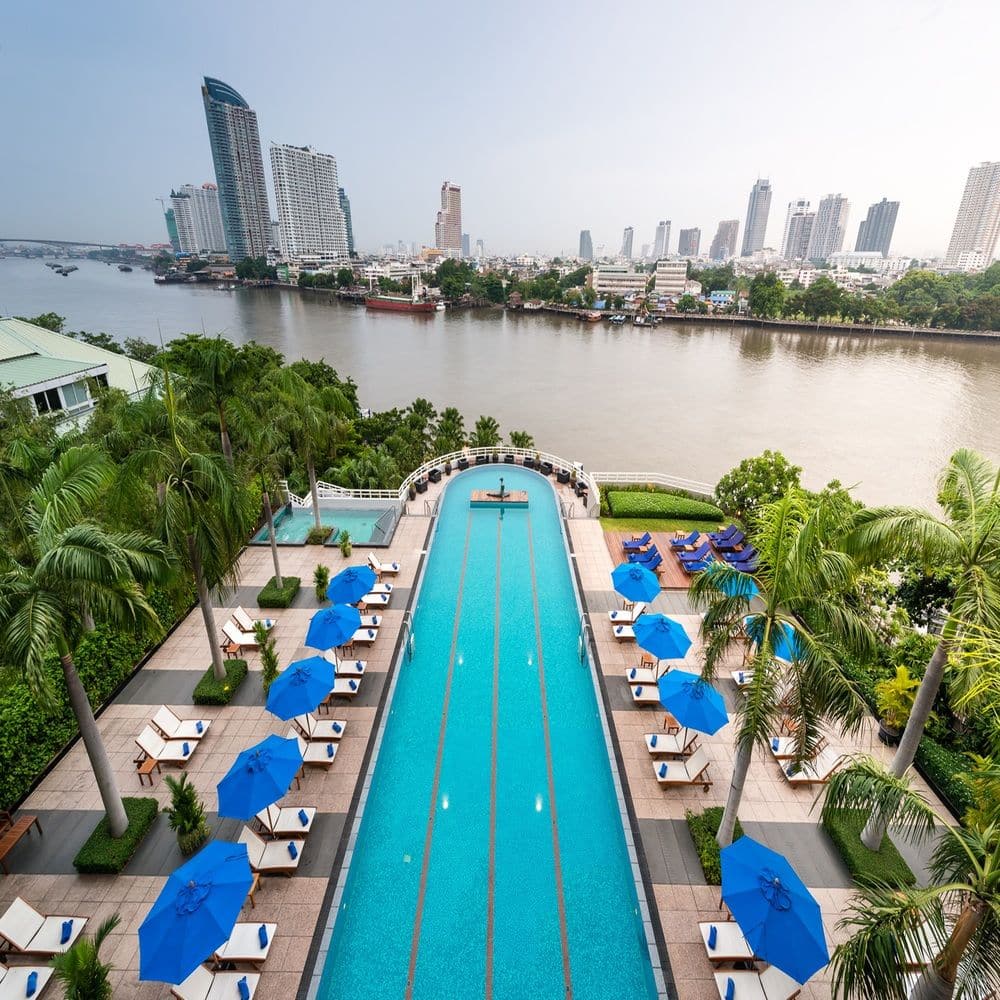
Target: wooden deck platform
point(672, 575)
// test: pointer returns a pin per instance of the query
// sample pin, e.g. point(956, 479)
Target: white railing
point(656, 479)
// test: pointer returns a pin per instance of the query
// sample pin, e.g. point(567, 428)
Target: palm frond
point(68, 490)
point(883, 534)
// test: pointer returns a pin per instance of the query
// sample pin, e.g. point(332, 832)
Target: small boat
point(642, 321)
point(124, 267)
point(617, 319)
point(591, 316)
point(439, 307)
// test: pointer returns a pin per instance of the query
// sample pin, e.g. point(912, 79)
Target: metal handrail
point(656, 479)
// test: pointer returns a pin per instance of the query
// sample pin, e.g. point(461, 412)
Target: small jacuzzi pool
point(366, 526)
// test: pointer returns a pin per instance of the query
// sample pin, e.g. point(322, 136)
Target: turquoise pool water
point(491, 859)
point(292, 525)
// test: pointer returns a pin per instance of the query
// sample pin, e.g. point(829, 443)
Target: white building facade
point(671, 276)
point(617, 279)
point(977, 225)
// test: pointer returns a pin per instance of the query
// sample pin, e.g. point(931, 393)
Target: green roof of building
point(32, 369)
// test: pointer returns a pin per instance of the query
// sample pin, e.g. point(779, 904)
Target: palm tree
point(74, 564)
point(521, 439)
point(421, 416)
point(802, 584)
point(956, 918)
point(486, 433)
point(967, 542)
point(370, 469)
point(202, 519)
point(80, 969)
point(449, 432)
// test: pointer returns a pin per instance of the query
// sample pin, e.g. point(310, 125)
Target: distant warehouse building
point(60, 375)
point(617, 279)
point(670, 277)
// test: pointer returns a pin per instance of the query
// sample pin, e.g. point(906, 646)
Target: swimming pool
point(491, 859)
point(366, 527)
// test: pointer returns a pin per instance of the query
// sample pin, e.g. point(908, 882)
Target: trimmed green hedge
point(885, 865)
point(271, 597)
point(940, 765)
point(703, 827)
point(317, 536)
point(101, 854)
point(209, 691)
point(627, 504)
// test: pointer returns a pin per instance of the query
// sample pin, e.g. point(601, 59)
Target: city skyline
point(130, 144)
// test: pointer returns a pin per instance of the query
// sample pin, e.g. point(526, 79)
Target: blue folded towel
point(713, 936)
point(775, 743)
point(614, 614)
point(303, 817)
point(371, 633)
point(633, 672)
point(730, 988)
point(329, 750)
point(262, 935)
point(292, 849)
point(67, 931)
point(337, 727)
point(360, 664)
point(353, 685)
point(395, 565)
point(31, 987)
point(268, 623)
point(185, 748)
point(663, 771)
point(653, 740)
point(199, 727)
point(741, 676)
point(618, 631)
point(244, 987)
point(638, 691)
point(375, 619)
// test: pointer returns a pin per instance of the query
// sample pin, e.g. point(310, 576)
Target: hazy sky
point(552, 116)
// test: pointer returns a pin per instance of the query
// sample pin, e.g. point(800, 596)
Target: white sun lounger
point(320, 729)
point(173, 728)
point(645, 694)
point(238, 637)
point(812, 772)
point(14, 980)
point(381, 568)
point(641, 675)
point(244, 945)
point(623, 633)
point(371, 621)
point(344, 687)
point(271, 857)
point(205, 985)
point(375, 599)
point(247, 624)
point(363, 637)
point(783, 747)
point(626, 616)
point(671, 744)
point(314, 754)
point(771, 984)
point(742, 678)
point(692, 770)
point(730, 945)
point(345, 668)
point(152, 744)
point(285, 821)
point(28, 932)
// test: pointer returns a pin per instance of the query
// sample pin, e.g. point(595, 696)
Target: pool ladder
point(583, 638)
point(409, 640)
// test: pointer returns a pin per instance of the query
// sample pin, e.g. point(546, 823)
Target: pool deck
point(68, 802)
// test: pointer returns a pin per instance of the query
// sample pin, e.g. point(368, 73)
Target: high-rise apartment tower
point(724, 245)
point(345, 207)
point(307, 191)
point(627, 243)
point(875, 232)
point(661, 245)
point(830, 227)
point(586, 245)
point(758, 208)
point(977, 224)
point(688, 242)
point(448, 228)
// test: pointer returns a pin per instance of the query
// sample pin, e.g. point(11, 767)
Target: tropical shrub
point(211, 691)
point(703, 827)
point(271, 596)
point(186, 814)
point(756, 481)
point(344, 541)
point(268, 655)
point(321, 580)
point(80, 970)
point(887, 864)
point(103, 854)
point(317, 536)
point(657, 505)
point(894, 698)
point(943, 768)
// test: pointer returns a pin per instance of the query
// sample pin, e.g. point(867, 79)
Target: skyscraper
point(171, 221)
point(875, 232)
point(307, 191)
point(345, 207)
point(197, 218)
point(448, 228)
point(239, 170)
point(798, 233)
point(758, 208)
point(627, 243)
point(480, 249)
point(830, 227)
point(688, 242)
point(796, 207)
point(724, 245)
point(661, 245)
point(466, 248)
point(586, 245)
point(977, 224)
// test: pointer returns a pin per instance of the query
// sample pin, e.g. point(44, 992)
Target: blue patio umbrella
point(661, 636)
point(693, 702)
point(351, 584)
point(300, 687)
point(333, 626)
point(786, 644)
point(779, 917)
point(194, 913)
point(635, 582)
point(259, 777)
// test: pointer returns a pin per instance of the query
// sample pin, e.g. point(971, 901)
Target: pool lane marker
point(491, 882)
point(557, 861)
point(435, 787)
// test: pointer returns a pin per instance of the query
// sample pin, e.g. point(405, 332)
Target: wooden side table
point(146, 768)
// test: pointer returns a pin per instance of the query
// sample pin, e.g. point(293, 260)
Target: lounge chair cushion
point(303, 817)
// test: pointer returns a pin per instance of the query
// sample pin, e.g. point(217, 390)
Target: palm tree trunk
point(207, 611)
point(938, 980)
point(741, 765)
point(107, 783)
point(274, 542)
point(314, 492)
point(86, 617)
point(874, 830)
point(227, 445)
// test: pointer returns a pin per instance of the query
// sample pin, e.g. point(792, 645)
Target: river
point(881, 413)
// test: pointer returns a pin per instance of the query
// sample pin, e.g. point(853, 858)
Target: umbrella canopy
point(693, 702)
point(779, 917)
point(300, 687)
point(260, 776)
point(194, 913)
point(351, 584)
point(661, 636)
point(333, 626)
point(786, 644)
point(635, 582)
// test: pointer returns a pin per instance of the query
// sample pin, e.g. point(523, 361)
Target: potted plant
point(894, 699)
point(186, 814)
point(80, 970)
point(268, 655)
point(345, 543)
point(321, 579)
point(496, 456)
point(412, 492)
point(447, 467)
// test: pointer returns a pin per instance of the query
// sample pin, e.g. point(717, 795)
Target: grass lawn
point(637, 525)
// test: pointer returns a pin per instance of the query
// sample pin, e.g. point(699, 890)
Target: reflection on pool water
point(366, 527)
